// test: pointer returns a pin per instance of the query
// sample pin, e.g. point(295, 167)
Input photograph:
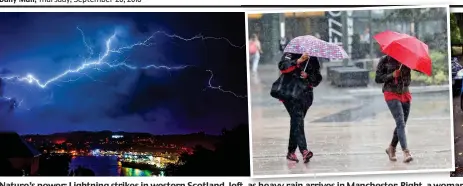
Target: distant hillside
point(189, 140)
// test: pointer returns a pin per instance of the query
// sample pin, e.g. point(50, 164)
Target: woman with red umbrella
point(396, 79)
point(403, 53)
point(308, 68)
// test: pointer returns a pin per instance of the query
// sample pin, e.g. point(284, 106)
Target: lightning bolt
point(102, 61)
point(210, 86)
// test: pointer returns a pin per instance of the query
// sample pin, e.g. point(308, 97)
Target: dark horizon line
point(89, 131)
point(73, 131)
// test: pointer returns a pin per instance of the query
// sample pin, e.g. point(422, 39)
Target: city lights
point(129, 150)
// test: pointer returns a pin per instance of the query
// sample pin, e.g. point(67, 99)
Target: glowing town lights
point(96, 152)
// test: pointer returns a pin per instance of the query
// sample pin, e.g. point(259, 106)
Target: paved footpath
point(348, 131)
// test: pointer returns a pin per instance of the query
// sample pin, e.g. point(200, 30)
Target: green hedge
point(440, 71)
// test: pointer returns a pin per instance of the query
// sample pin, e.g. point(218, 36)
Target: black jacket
point(384, 74)
point(288, 61)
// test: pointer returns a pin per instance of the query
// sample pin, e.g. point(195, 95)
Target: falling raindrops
point(349, 121)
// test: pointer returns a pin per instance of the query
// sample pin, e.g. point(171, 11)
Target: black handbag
point(287, 87)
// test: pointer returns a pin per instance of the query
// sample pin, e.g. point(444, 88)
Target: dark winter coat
point(384, 74)
point(289, 66)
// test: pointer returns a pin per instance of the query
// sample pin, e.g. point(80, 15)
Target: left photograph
point(123, 94)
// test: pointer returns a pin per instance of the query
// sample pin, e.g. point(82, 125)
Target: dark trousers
point(297, 111)
point(400, 112)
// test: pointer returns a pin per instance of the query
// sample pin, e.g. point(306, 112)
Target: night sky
point(157, 101)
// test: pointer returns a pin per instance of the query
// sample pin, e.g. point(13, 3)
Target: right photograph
point(456, 27)
point(352, 91)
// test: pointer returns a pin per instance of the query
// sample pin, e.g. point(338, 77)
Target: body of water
point(108, 166)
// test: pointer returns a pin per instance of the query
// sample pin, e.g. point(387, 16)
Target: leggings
point(297, 111)
point(400, 112)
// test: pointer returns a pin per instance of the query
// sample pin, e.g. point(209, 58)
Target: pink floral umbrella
point(315, 47)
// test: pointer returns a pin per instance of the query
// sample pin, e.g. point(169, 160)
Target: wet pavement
point(347, 132)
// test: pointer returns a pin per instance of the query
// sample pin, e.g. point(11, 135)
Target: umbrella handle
point(396, 78)
point(305, 67)
point(307, 63)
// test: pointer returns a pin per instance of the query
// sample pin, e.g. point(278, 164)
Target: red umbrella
point(406, 49)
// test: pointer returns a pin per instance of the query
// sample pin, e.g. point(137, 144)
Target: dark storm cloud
point(157, 101)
